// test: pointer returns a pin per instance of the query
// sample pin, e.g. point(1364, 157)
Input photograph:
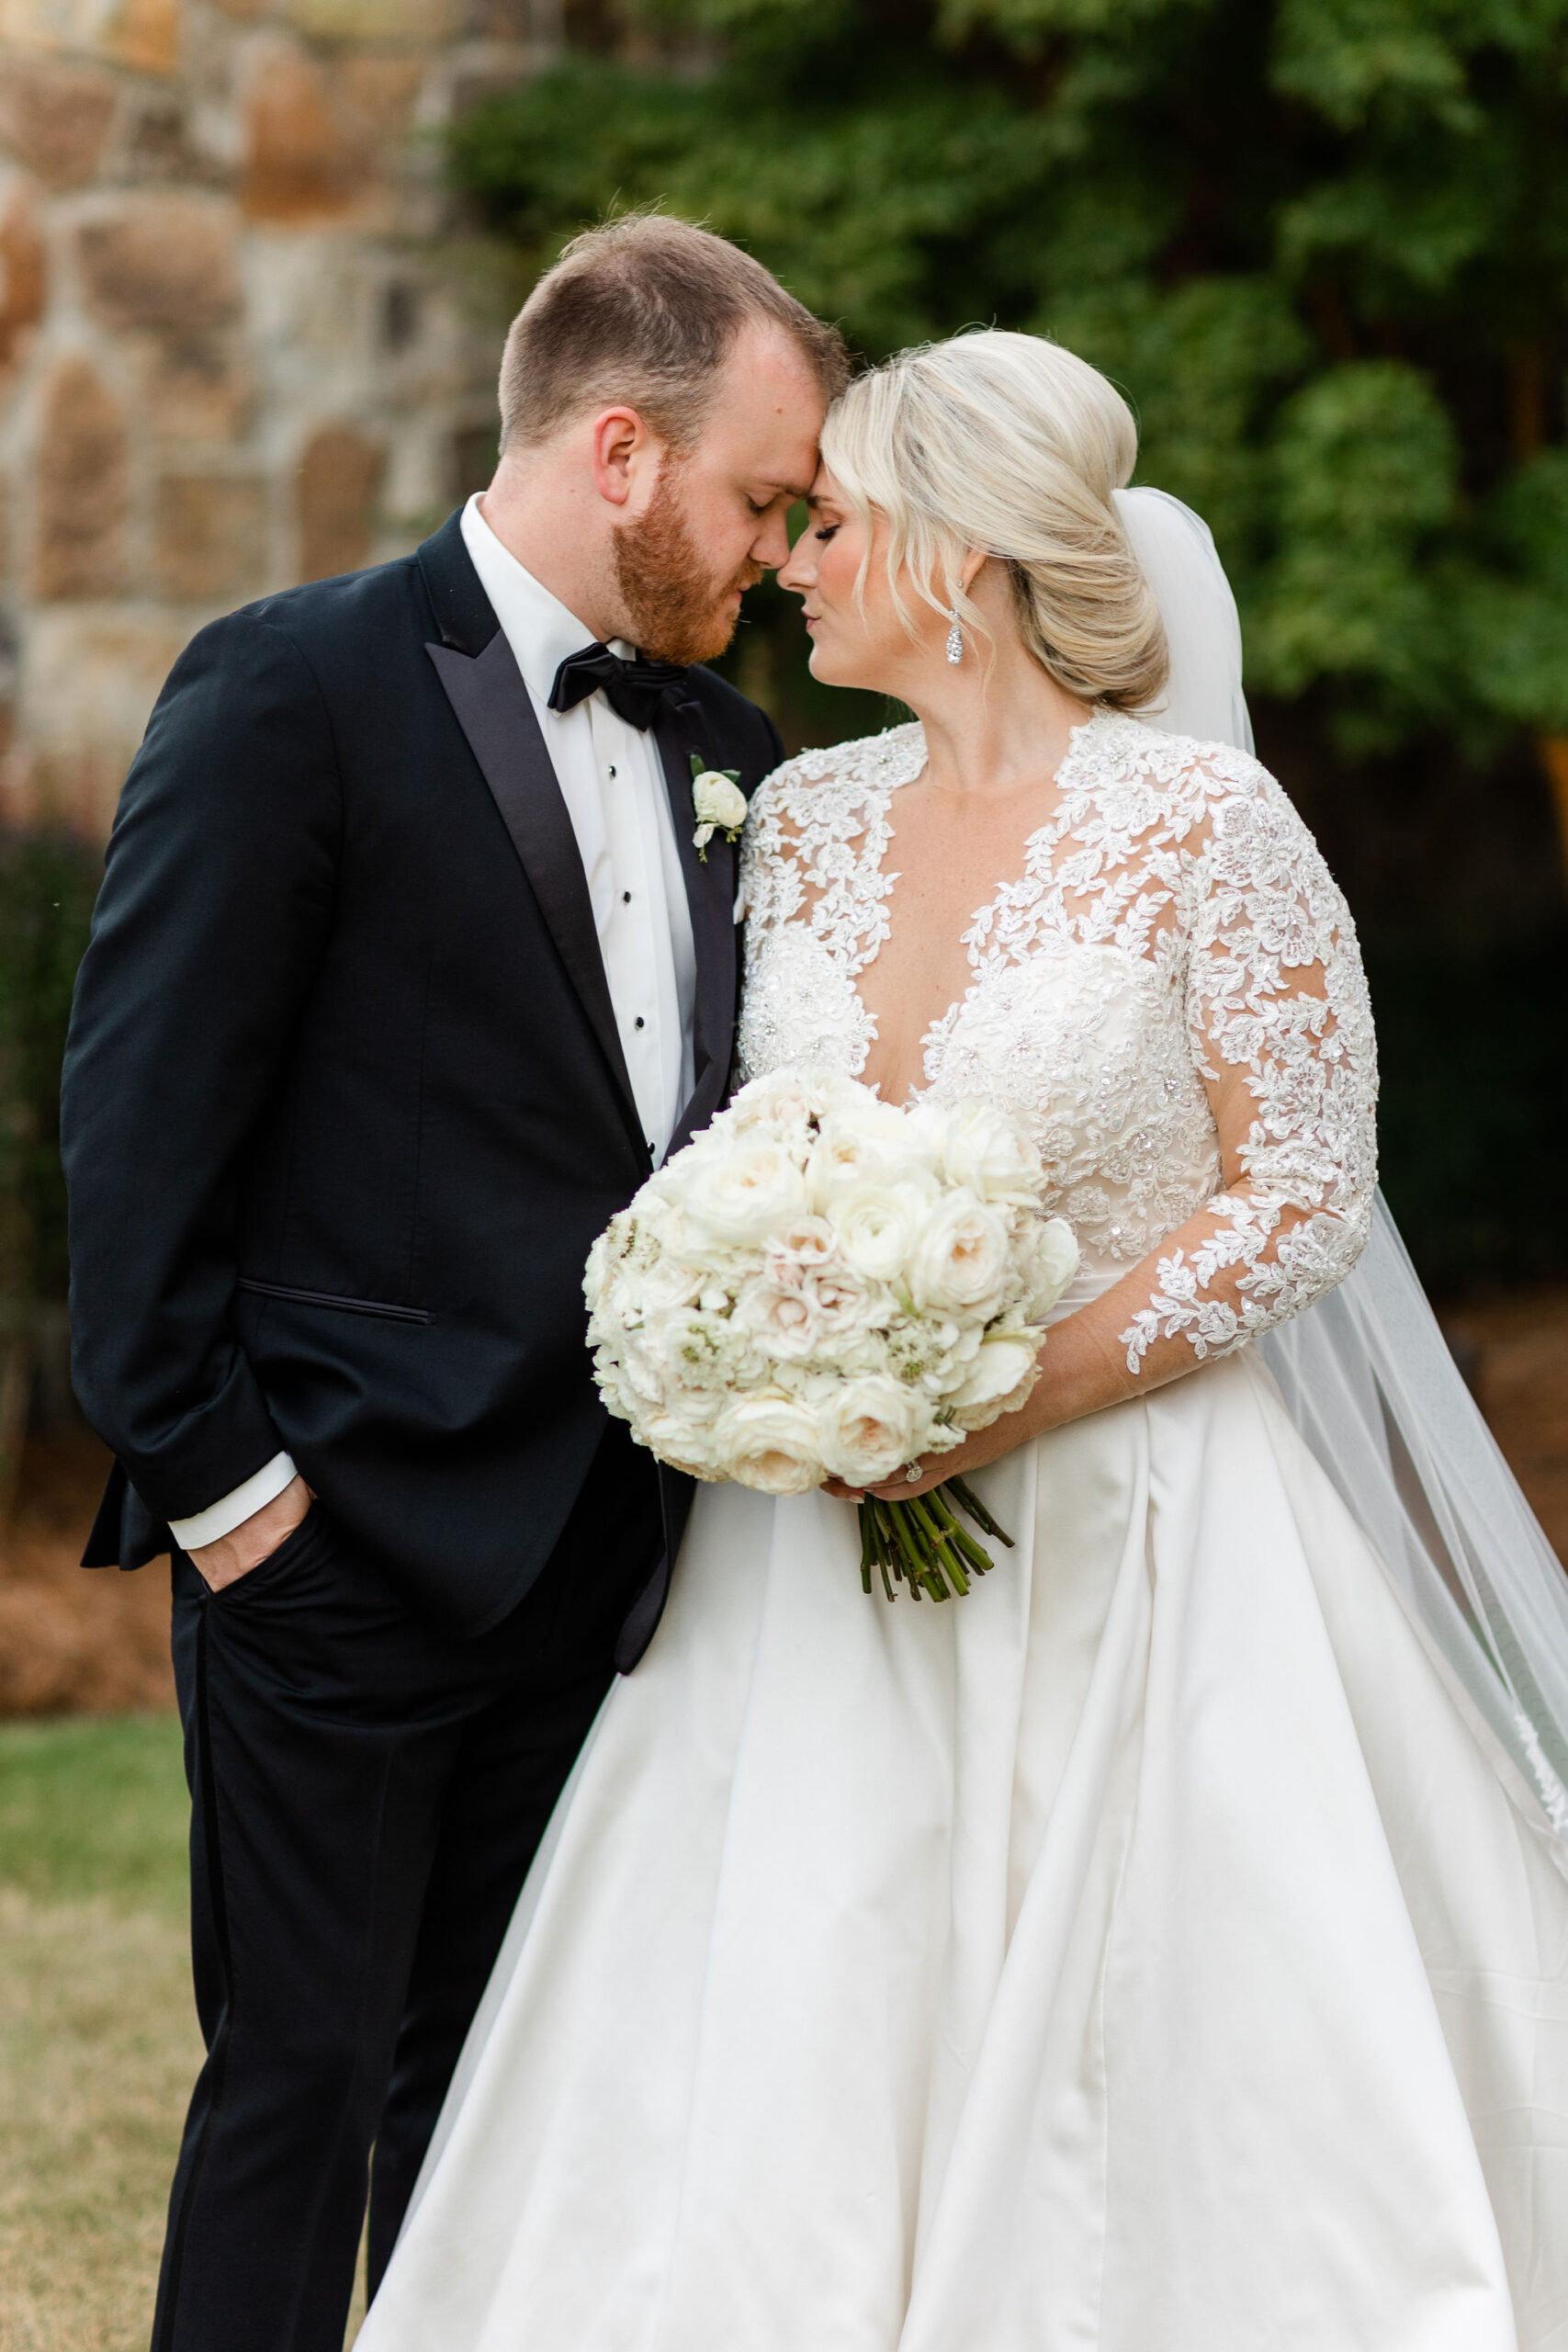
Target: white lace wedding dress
point(1152, 1952)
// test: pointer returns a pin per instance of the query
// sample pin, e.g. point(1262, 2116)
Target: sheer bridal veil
point(1365, 1373)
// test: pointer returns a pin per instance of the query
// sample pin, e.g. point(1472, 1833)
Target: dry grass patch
point(98, 2039)
point(98, 2047)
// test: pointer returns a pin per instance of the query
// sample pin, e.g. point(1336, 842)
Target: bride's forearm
point(1083, 1368)
point(1083, 1365)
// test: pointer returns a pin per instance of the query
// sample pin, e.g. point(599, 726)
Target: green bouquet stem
point(923, 1543)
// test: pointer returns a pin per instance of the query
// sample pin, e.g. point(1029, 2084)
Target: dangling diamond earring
point(954, 637)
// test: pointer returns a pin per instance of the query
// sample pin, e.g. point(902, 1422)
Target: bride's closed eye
point(826, 533)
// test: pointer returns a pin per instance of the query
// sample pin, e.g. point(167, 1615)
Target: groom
point(405, 973)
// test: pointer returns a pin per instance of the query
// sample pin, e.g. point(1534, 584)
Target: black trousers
point(367, 1792)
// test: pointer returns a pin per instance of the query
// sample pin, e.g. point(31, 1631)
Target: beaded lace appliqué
point(1175, 943)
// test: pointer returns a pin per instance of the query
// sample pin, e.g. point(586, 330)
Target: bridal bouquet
point(822, 1285)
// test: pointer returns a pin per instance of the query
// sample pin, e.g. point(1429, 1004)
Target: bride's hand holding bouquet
point(822, 1287)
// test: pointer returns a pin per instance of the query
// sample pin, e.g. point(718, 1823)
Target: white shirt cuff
point(229, 1511)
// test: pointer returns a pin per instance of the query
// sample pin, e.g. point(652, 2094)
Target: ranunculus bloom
point(876, 1226)
point(717, 801)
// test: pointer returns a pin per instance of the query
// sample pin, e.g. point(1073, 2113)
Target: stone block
point(21, 271)
point(81, 486)
point(376, 20)
point(90, 677)
point(340, 475)
point(54, 117)
point(154, 143)
point(304, 159)
point(382, 92)
point(194, 389)
point(160, 261)
point(211, 538)
point(142, 34)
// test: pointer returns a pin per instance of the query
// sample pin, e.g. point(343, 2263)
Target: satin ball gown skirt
point(1147, 1953)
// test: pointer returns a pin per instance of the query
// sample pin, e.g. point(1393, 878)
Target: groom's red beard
point(677, 611)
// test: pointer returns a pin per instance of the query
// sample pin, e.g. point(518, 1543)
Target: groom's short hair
point(646, 310)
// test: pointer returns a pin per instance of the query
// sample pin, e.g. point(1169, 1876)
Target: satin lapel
point(487, 693)
point(710, 894)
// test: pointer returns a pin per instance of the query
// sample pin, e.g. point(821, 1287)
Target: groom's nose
point(771, 546)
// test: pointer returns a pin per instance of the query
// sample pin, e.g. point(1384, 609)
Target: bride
point(1165, 1948)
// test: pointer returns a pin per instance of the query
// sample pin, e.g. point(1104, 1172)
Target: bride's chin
point(829, 672)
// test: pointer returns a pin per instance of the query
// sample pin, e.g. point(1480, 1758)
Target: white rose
point(684, 1443)
point(670, 1283)
point(717, 801)
point(831, 1092)
point(1000, 1381)
point(923, 1139)
point(960, 1260)
point(987, 1152)
point(745, 1192)
point(1050, 1256)
point(640, 1376)
point(782, 1104)
point(785, 1321)
point(846, 1307)
point(856, 1144)
point(804, 1245)
point(770, 1442)
point(877, 1227)
point(868, 1429)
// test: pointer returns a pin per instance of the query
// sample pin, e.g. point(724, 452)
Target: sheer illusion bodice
point(1170, 993)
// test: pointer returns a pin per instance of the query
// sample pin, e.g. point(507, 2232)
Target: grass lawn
point(98, 2041)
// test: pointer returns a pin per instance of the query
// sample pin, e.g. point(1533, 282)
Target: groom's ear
point(623, 452)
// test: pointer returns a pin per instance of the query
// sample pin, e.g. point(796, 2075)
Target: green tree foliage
point(1321, 243)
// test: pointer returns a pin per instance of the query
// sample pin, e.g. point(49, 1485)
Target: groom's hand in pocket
point(255, 1538)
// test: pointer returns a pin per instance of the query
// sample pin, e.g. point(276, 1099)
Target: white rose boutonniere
point(717, 803)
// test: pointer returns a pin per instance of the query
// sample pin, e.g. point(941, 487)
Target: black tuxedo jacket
point(345, 1104)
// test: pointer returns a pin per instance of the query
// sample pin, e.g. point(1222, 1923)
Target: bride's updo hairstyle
point(1009, 443)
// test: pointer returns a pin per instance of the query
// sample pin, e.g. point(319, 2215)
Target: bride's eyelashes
point(828, 531)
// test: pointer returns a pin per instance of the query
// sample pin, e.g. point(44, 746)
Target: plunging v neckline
point(982, 922)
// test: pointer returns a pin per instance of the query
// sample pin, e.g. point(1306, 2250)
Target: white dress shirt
point(612, 780)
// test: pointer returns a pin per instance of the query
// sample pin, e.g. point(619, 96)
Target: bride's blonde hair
point(1009, 443)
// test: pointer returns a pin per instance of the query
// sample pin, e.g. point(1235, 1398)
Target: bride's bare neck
point(995, 723)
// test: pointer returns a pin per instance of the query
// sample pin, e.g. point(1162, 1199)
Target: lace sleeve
point(1281, 1035)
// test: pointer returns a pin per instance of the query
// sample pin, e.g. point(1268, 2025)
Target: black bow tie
point(634, 688)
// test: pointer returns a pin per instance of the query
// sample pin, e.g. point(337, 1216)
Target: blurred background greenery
point(1322, 247)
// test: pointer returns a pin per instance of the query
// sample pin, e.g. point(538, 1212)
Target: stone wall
point(241, 341)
